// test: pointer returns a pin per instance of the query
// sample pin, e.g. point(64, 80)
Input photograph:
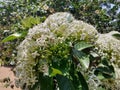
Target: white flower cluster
point(109, 46)
point(57, 28)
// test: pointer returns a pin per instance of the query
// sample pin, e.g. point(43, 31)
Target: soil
point(7, 79)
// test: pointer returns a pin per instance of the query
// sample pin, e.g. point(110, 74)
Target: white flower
point(56, 29)
point(109, 46)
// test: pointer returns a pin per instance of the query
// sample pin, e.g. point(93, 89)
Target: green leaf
point(82, 58)
point(44, 83)
point(83, 81)
point(12, 37)
point(116, 35)
point(100, 76)
point(100, 88)
point(30, 22)
point(73, 73)
point(55, 72)
point(107, 71)
point(64, 83)
point(24, 33)
point(94, 55)
point(105, 61)
point(85, 61)
point(82, 45)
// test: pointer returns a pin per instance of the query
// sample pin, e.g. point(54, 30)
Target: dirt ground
point(7, 79)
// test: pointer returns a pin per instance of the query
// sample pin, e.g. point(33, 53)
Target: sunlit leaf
point(30, 21)
point(100, 76)
point(85, 61)
point(82, 58)
point(12, 37)
point(82, 45)
point(55, 72)
point(95, 55)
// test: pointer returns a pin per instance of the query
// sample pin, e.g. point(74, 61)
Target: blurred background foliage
point(20, 15)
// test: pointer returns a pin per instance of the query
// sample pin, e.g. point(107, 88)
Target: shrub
point(47, 46)
point(67, 51)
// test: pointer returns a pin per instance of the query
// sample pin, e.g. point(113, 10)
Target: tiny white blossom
point(56, 29)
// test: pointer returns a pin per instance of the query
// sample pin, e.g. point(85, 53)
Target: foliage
point(73, 78)
point(116, 35)
point(100, 14)
point(79, 65)
point(10, 39)
point(22, 9)
point(103, 14)
point(31, 21)
point(47, 54)
point(111, 48)
point(17, 19)
point(46, 48)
